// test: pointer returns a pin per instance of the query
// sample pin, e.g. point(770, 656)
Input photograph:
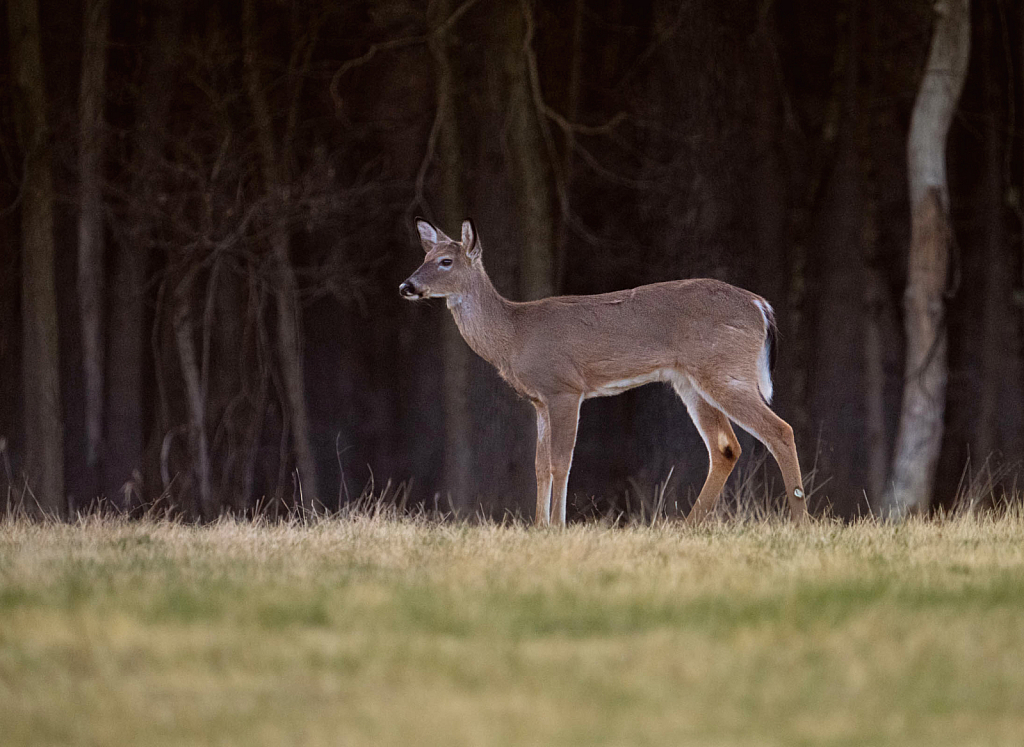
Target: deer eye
point(446, 262)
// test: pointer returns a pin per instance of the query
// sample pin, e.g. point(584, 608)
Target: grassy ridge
point(373, 631)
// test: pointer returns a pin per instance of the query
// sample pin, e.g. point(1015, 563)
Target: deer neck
point(484, 319)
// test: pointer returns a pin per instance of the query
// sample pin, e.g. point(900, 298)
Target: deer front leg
point(543, 466)
point(564, 417)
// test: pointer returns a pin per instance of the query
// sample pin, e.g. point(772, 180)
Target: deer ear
point(428, 234)
point(470, 243)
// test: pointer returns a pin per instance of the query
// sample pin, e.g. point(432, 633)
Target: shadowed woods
point(205, 209)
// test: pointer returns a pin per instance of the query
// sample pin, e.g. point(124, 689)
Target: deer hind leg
point(723, 448)
point(542, 517)
point(744, 406)
point(564, 417)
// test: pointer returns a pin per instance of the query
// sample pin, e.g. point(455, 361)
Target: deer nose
point(407, 290)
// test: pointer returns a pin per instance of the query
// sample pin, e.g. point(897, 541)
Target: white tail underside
point(764, 373)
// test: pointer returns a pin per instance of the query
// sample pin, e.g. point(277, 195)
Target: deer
point(711, 341)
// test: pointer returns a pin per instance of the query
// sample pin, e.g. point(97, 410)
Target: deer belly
point(612, 387)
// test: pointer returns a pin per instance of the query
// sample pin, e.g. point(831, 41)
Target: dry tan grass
point(369, 631)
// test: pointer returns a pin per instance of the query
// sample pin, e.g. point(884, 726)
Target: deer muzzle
point(408, 290)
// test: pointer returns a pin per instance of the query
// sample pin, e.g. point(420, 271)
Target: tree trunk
point(127, 320)
point(877, 308)
point(1000, 355)
point(572, 111)
point(44, 432)
point(289, 350)
point(124, 421)
point(458, 426)
point(838, 371)
point(90, 225)
point(195, 393)
point(289, 314)
point(874, 359)
point(529, 163)
point(924, 389)
point(769, 189)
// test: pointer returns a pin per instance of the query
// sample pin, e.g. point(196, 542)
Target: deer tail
point(766, 358)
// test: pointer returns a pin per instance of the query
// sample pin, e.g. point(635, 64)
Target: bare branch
point(387, 46)
point(653, 47)
point(580, 129)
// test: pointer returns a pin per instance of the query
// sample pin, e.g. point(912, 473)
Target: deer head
point(447, 269)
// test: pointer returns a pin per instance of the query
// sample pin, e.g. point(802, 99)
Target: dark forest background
point(206, 210)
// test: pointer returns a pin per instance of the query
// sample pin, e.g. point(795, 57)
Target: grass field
point(371, 631)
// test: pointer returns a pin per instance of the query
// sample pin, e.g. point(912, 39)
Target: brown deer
point(710, 340)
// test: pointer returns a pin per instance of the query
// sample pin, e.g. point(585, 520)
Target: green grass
point(373, 631)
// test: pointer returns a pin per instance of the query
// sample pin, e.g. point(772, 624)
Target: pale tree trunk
point(90, 224)
point(458, 445)
point(919, 437)
point(44, 431)
point(286, 294)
